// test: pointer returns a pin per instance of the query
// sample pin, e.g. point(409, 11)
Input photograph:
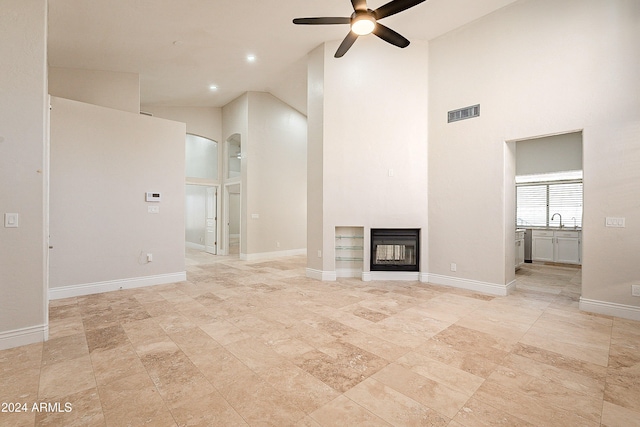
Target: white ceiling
point(181, 47)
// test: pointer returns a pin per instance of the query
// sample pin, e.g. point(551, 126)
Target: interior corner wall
point(273, 178)
point(315, 163)
point(111, 89)
point(537, 67)
point(201, 121)
point(276, 169)
point(374, 141)
point(23, 171)
point(103, 161)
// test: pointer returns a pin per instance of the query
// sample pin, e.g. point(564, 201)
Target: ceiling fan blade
point(322, 21)
point(394, 7)
point(390, 36)
point(359, 4)
point(346, 44)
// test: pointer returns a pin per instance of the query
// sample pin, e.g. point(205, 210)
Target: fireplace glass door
point(395, 249)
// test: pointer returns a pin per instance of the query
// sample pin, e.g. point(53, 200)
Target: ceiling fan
point(364, 21)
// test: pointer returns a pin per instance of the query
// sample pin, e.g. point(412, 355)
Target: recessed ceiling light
point(251, 58)
point(213, 88)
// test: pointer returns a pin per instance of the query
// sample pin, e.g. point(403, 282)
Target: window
point(539, 197)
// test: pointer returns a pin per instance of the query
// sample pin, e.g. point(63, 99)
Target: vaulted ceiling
point(181, 48)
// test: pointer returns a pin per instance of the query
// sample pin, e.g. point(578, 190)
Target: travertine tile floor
point(257, 343)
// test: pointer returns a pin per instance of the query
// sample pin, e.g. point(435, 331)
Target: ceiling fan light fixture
point(363, 24)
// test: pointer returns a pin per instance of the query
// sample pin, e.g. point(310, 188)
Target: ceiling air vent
point(463, 113)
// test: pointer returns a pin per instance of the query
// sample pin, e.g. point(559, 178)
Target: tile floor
point(257, 343)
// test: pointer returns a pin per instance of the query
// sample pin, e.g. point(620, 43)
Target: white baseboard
point(272, 255)
point(472, 285)
point(114, 285)
point(325, 276)
point(631, 312)
point(195, 246)
point(349, 272)
point(410, 276)
point(23, 336)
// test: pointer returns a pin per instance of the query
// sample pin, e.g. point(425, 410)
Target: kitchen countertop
point(550, 228)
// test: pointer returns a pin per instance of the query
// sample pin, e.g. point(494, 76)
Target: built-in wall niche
point(234, 156)
point(201, 158)
point(349, 251)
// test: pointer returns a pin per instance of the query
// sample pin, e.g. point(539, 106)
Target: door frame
point(224, 248)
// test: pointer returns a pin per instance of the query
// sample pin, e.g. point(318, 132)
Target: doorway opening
point(548, 213)
point(232, 202)
point(201, 194)
point(232, 234)
point(201, 218)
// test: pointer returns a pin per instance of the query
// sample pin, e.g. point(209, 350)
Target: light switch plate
point(153, 209)
point(11, 220)
point(614, 222)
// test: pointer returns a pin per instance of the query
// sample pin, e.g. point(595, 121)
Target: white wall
point(23, 171)
point(537, 68)
point(367, 121)
point(315, 158)
point(102, 163)
point(273, 179)
point(106, 88)
point(276, 167)
point(202, 121)
point(555, 153)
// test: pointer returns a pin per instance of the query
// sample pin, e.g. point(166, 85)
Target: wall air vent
point(463, 113)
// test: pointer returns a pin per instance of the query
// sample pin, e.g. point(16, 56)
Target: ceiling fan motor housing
point(363, 22)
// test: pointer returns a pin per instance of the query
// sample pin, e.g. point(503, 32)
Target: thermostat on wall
point(152, 197)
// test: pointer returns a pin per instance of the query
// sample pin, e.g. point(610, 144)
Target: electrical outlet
point(454, 267)
point(319, 254)
point(635, 290)
point(149, 257)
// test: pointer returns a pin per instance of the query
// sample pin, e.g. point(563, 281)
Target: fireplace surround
point(395, 249)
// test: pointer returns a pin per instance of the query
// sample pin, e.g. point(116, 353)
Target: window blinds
point(536, 204)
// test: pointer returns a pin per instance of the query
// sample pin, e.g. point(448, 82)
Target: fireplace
point(395, 249)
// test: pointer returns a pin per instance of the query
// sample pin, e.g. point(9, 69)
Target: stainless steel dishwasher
point(527, 245)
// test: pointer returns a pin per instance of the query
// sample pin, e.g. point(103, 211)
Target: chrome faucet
point(554, 215)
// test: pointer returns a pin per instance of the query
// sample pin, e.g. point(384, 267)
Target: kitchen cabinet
point(556, 246)
point(568, 247)
point(542, 243)
point(519, 248)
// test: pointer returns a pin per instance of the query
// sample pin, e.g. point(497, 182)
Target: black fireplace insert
point(395, 249)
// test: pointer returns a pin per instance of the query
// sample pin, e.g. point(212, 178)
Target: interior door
point(210, 240)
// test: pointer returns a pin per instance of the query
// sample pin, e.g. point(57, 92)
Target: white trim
point(631, 312)
point(424, 277)
point(325, 276)
point(349, 272)
point(114, 285)
point(23, 336)
point(472, 285)
point(410, 276)
point(195, 246)
point(272, 255)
